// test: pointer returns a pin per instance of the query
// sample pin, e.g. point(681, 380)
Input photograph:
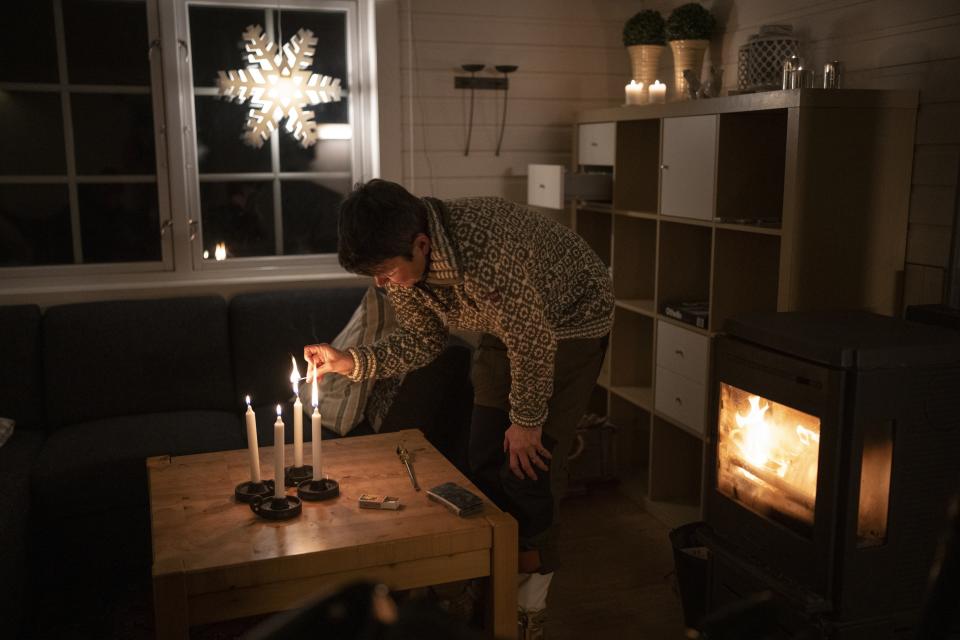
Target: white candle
point(658, 92)
point(297, 417)
point(634, 92)
point(252, 447)
point(315, 434)
point(278, 488)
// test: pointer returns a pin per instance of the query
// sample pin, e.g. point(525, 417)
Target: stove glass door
point(767, 457)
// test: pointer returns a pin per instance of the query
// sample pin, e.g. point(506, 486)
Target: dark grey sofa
point(98, 387)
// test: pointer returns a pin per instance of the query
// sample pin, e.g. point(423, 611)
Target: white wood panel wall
point(571, 58)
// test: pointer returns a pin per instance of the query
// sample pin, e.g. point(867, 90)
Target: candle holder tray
point(247, 491)
point(293, 476)
point(316, 490)
point(273, 508)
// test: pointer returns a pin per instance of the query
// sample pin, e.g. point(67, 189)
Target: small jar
point(831, 75)
point(790, 65)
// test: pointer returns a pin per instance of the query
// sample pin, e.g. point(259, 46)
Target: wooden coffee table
point(213, 559)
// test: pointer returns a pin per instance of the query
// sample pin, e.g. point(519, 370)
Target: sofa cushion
point(119, 358)
point(267, 328)
point(16, 459)
point(21, 382)
point(343, 402)
point(106, 459)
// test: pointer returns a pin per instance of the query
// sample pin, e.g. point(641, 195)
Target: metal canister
point(802, 78)
point(831, 75)
point(789, 66)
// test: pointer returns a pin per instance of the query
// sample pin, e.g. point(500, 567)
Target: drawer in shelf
point(681, 399)
point(682, 351)
point(597, 144)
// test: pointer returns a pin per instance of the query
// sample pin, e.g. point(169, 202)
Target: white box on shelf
point(550, 185)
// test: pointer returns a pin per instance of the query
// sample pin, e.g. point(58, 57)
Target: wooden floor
point(615, 583)
point(617, 572)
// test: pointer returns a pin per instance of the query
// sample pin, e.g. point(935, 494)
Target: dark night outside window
point(82, 187)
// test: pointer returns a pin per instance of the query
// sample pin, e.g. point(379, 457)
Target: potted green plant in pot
point(689, 28)
point(645, 40)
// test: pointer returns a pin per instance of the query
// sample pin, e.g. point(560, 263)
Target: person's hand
point(526, 451)
point(323, 359)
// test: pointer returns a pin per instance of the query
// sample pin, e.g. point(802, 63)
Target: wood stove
point(835, 448)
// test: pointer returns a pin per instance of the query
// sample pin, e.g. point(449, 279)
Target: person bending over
point(543, 302)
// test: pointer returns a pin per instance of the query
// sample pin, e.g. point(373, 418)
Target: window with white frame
point(127, 158)
point(79, 179)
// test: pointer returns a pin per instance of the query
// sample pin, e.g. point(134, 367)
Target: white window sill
point(227, 283)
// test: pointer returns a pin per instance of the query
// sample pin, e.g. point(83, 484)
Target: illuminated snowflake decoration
point(279, 85)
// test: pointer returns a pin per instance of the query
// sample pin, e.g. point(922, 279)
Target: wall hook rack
point(505, 69)
point(472, 70)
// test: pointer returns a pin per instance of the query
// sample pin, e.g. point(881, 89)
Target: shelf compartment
point(636, 174)
point(640, 396)
point(634, 257)
point(631, 350)
point(683, 273)
point(676, 465)
point(644, 306)
point(688, 169)
point(595, 228)
point(745, 274)
point(750, 165)
point(633, 447)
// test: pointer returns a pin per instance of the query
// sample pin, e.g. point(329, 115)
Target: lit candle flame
point(295, 377)
point(248, 401)
point(220, 252)
point(315, 392)
point(278, 411)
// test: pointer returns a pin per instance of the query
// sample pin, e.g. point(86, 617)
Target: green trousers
point(534, 503)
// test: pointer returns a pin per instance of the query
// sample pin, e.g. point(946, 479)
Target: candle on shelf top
point(252, 446)
point(658, 92)
point(634, 92)
point(297, 416)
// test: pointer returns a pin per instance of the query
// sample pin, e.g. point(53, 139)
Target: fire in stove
point(767, 457)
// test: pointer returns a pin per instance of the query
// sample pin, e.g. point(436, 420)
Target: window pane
point(240, 215)
point(32, 124)
point(35, 225)
point(330, 28)
point(113, 134)
point(216, 40)
point(220, 146)
point(310, 215)
point(119, 222)
point(326, 154)
point(107, 42)
point(33, 32)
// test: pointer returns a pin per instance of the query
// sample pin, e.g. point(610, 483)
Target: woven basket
point(687, 54)
point(760, 61)
point(644, 61)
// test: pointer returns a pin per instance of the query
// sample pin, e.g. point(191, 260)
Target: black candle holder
point(247, 491)
point(293, 476)
point(316, 490)
point(273, 508)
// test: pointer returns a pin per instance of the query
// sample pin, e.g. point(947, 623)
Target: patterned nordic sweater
point(496, 267)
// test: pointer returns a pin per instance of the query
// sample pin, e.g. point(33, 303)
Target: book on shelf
point(695, 313)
